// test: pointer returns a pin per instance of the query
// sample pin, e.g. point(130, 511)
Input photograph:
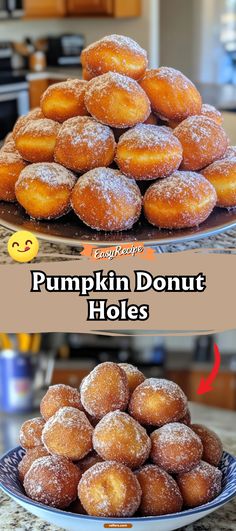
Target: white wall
point(143, 29)
point(189, 37)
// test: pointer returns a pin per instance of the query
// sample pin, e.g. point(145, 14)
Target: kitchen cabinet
point(69, 376)
point(223, 394)
point(44, 8)
point(37, 87)
point(107, 8)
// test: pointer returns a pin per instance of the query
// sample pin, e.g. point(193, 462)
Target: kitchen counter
point(56, 72)
point(223, 422)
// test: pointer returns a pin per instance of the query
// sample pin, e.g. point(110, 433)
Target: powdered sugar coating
point(105, 389)
point(53, 481)
point(68, 433)
point(11, 158)
point(38, 128)
point(132, 103)
point(31, 433)
point(230, 153)
point(110, 490)
point(157, 401)
point(134, 375)
point(212, 445)
point(74, 87)
point(212, 112)
point(105, 199)
point(181, 200)
point(173, 96)
point(83, 144)
point(49, 173)
point(31, 455)
point(58, 396)
point(181, 186)
point(35, 114)
point(64, 100)
point(176, 448)
point(148, 152)
point(149, 137)
point(118, 437)
point(160, 492)
point(203, 141)
point(120, 42)
point(200, 485)
point(115, 53)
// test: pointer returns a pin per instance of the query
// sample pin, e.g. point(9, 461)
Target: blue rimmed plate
point(10, 484)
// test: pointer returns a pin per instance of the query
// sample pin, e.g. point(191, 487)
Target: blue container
point(16, 382)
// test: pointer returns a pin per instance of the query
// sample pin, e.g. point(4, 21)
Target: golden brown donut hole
point(212, 445)
point(44, 190)
point(52, 481)
point(31, 433)
point(200, 485)
point(109, 490)
point(176, 448)
point(64, 100)
point(157, 401)
point(68, 434)
point(105, 389)
point(118, 437)
point(160, 492)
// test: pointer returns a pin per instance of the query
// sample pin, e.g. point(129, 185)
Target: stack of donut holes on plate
point(122, 140)
point(121, 446)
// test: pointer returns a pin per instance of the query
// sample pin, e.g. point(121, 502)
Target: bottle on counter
point(16, 382)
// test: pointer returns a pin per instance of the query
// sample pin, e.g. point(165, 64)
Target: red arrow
point(205, 385)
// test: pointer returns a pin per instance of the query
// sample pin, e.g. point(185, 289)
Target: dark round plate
point(70, 230)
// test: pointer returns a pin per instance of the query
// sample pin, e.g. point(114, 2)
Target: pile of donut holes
point(121, 446)
point(123, 140)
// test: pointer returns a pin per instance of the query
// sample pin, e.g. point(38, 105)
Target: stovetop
point(12, 76)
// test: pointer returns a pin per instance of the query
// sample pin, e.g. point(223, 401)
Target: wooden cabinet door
point(69, 377)
point(44, 8)
point(111, 8)
point(90, 7)
point(223, 394)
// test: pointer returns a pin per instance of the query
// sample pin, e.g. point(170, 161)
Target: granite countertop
point(51, 252)
point(222, 421)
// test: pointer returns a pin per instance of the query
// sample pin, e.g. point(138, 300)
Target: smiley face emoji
point(23, 246)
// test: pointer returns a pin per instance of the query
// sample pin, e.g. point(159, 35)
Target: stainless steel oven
point(14, 101)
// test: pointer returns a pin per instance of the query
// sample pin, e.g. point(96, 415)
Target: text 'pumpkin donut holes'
point(84, 144)
point(222, 175)
point(117, 101)
point(115, 53)
point(182, 200)
point(172, 95)
point(105, 389)
point(156, 402)
point(52, 481)
point(200, 485)
point(109, 490)
point(68, 434)
point(160, 492)
point(58, 396)
point(36, 140)
point(11, 166)
point(203, 142)
point(44, 190)
point(148, 152)
point(105, 199)
point(118, 437)
point(176, 448)
point(64, 100)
